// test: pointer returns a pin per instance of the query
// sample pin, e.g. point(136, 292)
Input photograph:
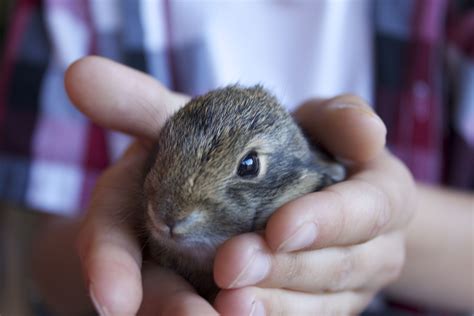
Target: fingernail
point(257, 309)
point(256, 270)
point(347, 105)
point(101, 310)
point(303, 237)
point(361, 109)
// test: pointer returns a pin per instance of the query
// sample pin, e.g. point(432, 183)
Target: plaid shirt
point(425, 86)
point(51, 155)
point(424, 74)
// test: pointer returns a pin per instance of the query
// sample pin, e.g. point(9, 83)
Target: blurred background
point(16, 227)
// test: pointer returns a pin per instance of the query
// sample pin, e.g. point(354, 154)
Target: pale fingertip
point(166, 293)
point(116, 299)
point(239, 302)
point(285, 223)
point(362, 109)
point(119, 97)
point(100, 309)
point(241, 261)
point(364, 131)
point(258, 309)
point(346, 126)
point(255, 271)
point(76, 74)
point(304, 237)
point(115, 284)
point(316, 214)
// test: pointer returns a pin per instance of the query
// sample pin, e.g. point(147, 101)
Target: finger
point(257, 301)
point(108, 247)
point(367, 266)
point(241, 261)
point(166, 293)
point(377, 199)
point(345, 125)
point(118, 97)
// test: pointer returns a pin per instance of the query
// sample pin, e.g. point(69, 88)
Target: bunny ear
point(330, 170)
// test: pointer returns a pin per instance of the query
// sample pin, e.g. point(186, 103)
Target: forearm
point(439, 269)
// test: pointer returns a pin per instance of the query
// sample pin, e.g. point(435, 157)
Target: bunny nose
point(178, 225)
point(172, 223)
point(173, 227)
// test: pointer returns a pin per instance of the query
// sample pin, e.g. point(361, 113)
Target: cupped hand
point(328, 252)
point(119, 283)
point(354, 246)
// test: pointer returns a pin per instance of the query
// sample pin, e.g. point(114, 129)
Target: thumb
point(344, 125)
point(121, 98)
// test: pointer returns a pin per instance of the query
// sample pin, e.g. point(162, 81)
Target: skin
point(443, 232)
point(358, 225)
point(108, 249)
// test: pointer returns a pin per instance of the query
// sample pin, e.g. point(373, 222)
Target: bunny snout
point(177, 227)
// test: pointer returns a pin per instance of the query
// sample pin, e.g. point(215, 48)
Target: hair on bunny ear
point(330, 170)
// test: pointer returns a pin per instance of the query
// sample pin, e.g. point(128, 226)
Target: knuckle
point(406, 196)
point(397, 265)
point(380, 208)
point(324, 308)
point(293, 269)
point(393, 265)
point(360, 303)
point(384, 212)
point(342, 272)
point(392, 271)
point(279, 308)
point(339, 216)
point(341, 305)
point(347, 303)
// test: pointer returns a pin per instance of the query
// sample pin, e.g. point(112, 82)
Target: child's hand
point(357, 221)
point(117, 97)
point(329, 252)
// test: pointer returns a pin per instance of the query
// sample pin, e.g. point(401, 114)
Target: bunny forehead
point(226, 122)
point(211, 133)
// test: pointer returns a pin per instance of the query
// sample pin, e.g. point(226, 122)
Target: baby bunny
point(223, 164)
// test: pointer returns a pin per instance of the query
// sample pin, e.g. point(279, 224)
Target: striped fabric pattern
point(425, 83)
point(51, 155)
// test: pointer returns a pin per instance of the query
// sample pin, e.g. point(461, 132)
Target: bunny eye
point(249, 166)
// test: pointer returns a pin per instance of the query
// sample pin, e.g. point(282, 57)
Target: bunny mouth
point(188, 238)
point(185, 243)
point(200, 249)
point(194, 242)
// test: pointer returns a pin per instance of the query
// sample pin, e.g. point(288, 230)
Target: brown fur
point(194, 169)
